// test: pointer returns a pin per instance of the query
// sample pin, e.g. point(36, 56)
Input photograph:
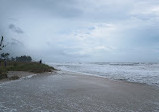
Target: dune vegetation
point(34, 67)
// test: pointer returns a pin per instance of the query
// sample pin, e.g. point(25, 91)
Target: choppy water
point(134, 72)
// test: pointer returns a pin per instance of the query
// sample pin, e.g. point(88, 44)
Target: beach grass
point(34, 67)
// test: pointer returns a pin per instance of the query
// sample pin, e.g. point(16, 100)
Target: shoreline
point(25, 74)
point(122, 80)
point(142, 73)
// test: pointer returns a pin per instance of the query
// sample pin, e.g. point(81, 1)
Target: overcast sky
point(82, 30)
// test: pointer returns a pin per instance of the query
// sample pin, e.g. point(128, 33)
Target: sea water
point(134, 72)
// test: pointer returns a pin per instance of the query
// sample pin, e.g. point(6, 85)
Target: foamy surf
point(147, 73)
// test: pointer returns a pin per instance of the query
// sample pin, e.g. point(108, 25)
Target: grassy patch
point(23, 66)
point(29, 67)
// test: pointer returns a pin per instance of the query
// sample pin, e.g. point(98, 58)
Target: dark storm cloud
point(15, 29)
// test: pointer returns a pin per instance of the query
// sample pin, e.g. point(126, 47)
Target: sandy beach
point(73, 92)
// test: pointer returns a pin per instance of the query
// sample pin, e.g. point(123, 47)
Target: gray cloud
point(15, 29)
point(85, 30)
point(15, 42)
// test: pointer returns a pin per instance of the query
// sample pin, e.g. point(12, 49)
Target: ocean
point(147, 73)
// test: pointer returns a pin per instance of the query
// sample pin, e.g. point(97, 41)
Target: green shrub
point(34, 67)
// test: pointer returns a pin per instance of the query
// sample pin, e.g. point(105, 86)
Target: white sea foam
point(29, 76)
point(134, 72)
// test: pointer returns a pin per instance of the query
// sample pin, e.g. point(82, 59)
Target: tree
point(24, 59)
point(1, 43)
point(5, 55)
point(2, 71)
point(2, 55)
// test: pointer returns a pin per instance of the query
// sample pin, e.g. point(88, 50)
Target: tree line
point(22, 59)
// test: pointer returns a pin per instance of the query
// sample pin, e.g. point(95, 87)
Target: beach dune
point(73, 92)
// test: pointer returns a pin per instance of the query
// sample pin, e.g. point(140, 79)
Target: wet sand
point(72, 92)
